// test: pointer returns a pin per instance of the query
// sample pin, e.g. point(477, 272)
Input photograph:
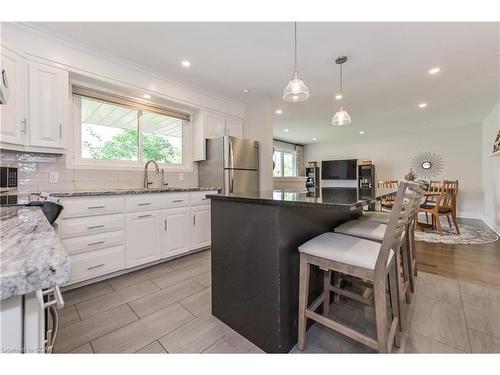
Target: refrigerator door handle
point(231, 181)
point(231, 154)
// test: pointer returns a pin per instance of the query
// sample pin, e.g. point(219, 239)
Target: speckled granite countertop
point(334, 198)
point(31, 255)
point(96, 193)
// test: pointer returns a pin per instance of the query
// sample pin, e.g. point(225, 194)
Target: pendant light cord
point(295, 69)
point(341, 86)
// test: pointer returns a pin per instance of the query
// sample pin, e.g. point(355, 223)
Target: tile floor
point(166, 309)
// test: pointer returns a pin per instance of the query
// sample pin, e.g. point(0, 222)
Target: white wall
point(460, 148)
point(258, 126)
point(491, 170)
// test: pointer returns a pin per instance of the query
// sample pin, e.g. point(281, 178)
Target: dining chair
point(362, 259)
point(445, 205)
point(387, 202)
point(434, 187)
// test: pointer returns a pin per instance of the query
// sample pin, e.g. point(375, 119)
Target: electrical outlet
point(53, 177)
point(181, 176)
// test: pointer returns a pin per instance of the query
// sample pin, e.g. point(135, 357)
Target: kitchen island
point(255, 261)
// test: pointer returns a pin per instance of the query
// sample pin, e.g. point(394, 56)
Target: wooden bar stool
point(374, 230)
point(369, 261)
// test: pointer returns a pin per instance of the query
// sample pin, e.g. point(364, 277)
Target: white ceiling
point(384, 80)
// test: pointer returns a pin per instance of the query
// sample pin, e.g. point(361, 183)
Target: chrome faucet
point(157, 169)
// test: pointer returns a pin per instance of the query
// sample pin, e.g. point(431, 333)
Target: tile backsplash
point(34, 170)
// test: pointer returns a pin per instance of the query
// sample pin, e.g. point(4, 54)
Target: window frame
point(84, 163)
point(282, 152)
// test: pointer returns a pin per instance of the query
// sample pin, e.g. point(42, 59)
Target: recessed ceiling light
point(362, 132)
point(422, 105)
point(186, 64)
point(338, 97)
point(279, 111)
point(286, 130)
point(434, 70)
point(295, 97)
point(146, 96)
point(315, 139)
point(246, 91)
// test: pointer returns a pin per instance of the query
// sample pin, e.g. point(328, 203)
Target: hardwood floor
point(475, 263)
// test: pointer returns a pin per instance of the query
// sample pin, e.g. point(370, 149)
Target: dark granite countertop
point(334, 198)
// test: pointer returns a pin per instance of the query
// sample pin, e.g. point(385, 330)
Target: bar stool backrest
point(405, 207)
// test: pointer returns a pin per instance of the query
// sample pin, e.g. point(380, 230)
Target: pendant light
point(341, 117)
point(296, 90)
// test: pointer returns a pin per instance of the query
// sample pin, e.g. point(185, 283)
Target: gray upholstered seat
point(378, 217)
point(344, 249)
point(370, 230)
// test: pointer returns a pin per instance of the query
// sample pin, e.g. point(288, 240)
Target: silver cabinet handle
point(24, 123)
point(194, 219)
point(93, 207)
point(95, 226)
point(144, 204)
point(178, 200)
point(95, 243)
point(143, 216)
point(60, 131)
point(165, 225)
point(97, 266)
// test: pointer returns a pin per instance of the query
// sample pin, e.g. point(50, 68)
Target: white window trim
point(282, 150)
point(80, 163)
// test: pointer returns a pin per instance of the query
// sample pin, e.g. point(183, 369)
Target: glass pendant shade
point(296, 90)
point(341, 118)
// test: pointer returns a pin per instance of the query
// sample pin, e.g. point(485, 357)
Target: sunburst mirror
point(427, 164)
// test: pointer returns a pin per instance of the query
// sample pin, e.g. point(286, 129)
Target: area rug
point(469, 235)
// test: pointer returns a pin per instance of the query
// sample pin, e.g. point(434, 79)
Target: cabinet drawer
point(147, 202)
point(91, 264)
point(91, 225)
point(92, 242)
point(177, 199)
point(75, 207)
point(200, 197)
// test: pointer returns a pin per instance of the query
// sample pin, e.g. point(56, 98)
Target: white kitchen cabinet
point(234, 127)
point(209, 125)
point(214, 125)
point(143, 237)
point(200, 227)
point(176, 234)
point(14, 114)
point(48, 105)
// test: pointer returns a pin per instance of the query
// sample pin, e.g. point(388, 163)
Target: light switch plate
point(181, 176)
point(53, 177)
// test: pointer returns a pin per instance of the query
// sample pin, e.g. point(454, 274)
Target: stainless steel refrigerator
point(232, 164)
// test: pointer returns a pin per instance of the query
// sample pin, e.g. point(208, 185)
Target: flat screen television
point(339, 169)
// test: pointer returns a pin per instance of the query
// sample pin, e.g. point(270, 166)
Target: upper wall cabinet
point(208, 125)
point(14, 114)
point(37, 111)
point(48, 105)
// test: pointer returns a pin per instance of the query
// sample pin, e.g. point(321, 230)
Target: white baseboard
point(492, 226)
point(469, 215)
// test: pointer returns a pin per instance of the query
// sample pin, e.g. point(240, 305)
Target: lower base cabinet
point(103, 235)
point(201, 229)
point(143, 237)
point(175, 227)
